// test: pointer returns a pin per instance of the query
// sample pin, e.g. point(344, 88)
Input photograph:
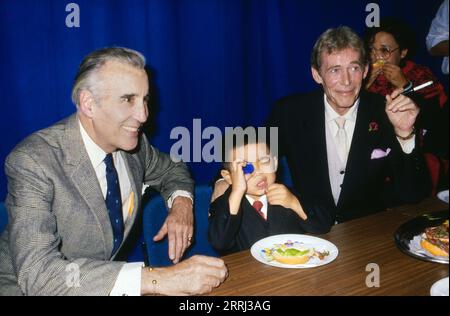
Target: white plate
point(440, 288)
point(318, 244)
point(443, 196)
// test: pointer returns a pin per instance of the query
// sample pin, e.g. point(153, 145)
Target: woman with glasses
point(391, 47)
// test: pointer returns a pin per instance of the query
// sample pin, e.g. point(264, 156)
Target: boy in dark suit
point(255, 207)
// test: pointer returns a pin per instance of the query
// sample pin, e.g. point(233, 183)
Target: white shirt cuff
point(409, 145)
point(179, 193)
point(128, 282)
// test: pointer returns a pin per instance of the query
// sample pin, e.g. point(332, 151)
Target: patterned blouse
point(417, 74)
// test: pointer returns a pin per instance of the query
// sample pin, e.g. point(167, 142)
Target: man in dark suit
point(351, 151)
point(75, 192)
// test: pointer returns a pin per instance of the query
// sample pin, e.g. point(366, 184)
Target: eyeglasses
point(263, 165)
point(383, 52)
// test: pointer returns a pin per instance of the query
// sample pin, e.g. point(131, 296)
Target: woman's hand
point(374, 73)
point(394, 75)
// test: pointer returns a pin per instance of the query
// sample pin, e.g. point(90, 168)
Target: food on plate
point(293, 253)
point(435, 240)
point(379, 63)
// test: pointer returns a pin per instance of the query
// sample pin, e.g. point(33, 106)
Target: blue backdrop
point(224, 61)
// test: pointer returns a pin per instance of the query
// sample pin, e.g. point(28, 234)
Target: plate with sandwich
point(425, 237)
point(293, 251)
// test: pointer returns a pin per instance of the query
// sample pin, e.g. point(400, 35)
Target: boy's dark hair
point(230, 141)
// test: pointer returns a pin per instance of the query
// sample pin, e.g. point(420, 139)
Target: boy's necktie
point(258, 205)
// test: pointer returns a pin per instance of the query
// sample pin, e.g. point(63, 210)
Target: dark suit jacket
point(369, 185)
point(231, 233)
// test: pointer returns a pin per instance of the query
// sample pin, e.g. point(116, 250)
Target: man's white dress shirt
point(128, 282)
point(336, 167)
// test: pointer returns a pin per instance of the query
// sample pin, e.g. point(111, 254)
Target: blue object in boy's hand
point(248, 169)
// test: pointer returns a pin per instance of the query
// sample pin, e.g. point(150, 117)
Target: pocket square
point(380, 153)
point(144, 187)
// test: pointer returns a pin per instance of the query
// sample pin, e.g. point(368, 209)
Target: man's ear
point(87, 103)
point(366, 71)
point(316, 76)
point(404, 53)
point(226, 175)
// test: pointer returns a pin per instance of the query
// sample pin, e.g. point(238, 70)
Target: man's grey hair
point(335, 40)
point(92, 62)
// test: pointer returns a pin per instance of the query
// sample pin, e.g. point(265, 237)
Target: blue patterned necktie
point(114, 202)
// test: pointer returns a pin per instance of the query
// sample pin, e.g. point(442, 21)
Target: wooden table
point(360, 242)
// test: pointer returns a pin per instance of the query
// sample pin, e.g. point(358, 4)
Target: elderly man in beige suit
point(64, 230)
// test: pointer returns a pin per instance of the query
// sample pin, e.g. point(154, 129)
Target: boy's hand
point(238, 186)
point(239, 183)
point(278, 194)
